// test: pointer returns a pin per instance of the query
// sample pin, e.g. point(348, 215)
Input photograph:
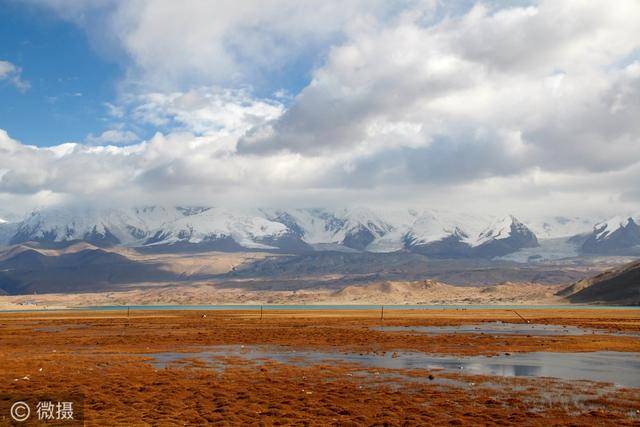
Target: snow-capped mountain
point(214, 223)
point(151, 226)
point(561, 226)
point(431, 236)
point(101, 227)
point(620, 234)
point(433, 226)
point(353, 228)
point(430, 232)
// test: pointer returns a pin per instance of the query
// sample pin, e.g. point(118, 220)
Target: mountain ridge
point(429, 232)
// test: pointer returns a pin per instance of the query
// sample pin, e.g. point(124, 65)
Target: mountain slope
point(443, 235)
point(618, 286)
point(352, 228)
point(614, 236)
point(29, 270)
point(501, 237)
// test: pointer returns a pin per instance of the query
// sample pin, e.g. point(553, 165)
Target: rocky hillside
point(618, 286)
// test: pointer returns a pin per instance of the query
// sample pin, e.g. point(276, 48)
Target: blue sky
point(468, 105)
point(69, 82)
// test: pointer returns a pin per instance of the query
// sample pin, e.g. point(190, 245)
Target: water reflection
point(501, 328)
point(603, 366)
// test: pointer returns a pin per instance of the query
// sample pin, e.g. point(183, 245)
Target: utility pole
point(126, 324)
point(382, 312)
point(260, 311)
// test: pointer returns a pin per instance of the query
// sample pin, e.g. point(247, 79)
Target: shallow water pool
point(502, 328)
point(619, 368)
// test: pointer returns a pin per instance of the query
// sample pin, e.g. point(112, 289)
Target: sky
point(525, 107)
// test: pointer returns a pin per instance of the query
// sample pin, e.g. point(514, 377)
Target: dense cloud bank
point(526, 106)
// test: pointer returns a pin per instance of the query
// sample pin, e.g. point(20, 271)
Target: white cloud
point(172, 45)
point(113, 137)
point(512, 106)
point(204, 110)
point(13, 75)
point(177, 166)
point(507, 90)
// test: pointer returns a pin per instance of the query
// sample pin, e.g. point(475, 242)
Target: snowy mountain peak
point(431, 232)
point(502, 228)
point(605, 228)
point(620, 234)
point(434, 225)
point(446, 236)
point(499, 229)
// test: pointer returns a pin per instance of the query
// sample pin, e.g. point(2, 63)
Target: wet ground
point(619, 368)
point(504, 328)
point(328, 367)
